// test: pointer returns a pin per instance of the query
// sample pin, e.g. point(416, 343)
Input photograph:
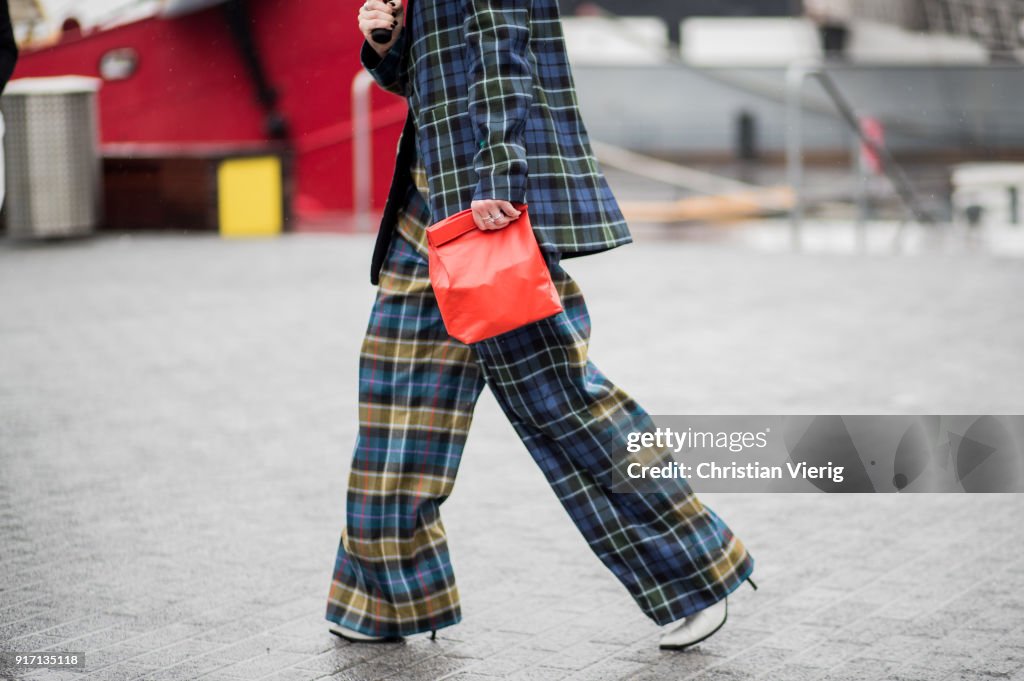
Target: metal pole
point(861, 173)
point(894, 171)
point(362, 155)
point(796, 74)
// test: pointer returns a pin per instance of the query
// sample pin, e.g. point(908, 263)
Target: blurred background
point(865, 113)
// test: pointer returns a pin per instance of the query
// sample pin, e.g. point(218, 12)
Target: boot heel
point(752, 583)
point(433, 634)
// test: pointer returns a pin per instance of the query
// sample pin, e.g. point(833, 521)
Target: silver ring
point(497, 217)
point(488, 219)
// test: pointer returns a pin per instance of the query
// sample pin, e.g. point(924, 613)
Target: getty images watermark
point(822, 454)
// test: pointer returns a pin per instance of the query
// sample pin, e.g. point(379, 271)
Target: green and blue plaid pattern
point(497, 117)
point(417, 391)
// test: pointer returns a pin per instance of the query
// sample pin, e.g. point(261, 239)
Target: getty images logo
point(689, 439)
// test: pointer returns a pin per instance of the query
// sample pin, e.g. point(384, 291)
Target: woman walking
point(493, 123)
point(8, 57)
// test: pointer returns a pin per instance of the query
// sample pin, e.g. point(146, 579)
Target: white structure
point(994, 191)
point(872, 42)
point(727, 41)
point(40, 21)
point(613, 40)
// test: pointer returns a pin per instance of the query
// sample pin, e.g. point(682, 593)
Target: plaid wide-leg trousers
point(417, 390)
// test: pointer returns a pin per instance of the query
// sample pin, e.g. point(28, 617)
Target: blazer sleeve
point(500, 94)
point(386, 70)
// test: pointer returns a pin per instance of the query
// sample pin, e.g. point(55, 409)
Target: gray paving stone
point(759, 658)
point(495, 666)
point(190, 669)
point(436, 667)
point(539, 673)
point(919, 673)
point(292, 674)
point(677, 665)
point(122, 671)
point(118, 652)
point(721, 673)
point(608, 670)
point(261, 665)
point(176, 417)
point(580, 656)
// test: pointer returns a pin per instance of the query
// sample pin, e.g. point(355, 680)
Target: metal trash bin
point(52, 153)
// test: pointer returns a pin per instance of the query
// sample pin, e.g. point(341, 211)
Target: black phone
point(381, 35)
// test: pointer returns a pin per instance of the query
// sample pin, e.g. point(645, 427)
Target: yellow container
point(250, 197)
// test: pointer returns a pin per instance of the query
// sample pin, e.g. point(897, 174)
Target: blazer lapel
point(402, 177)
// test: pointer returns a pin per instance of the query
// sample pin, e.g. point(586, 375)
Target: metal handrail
point(362, 153)
point(796, 75)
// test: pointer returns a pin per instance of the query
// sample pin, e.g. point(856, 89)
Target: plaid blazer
point(494, 115)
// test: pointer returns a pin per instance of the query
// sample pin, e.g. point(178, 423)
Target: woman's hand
point(493, 214)
point(376, 14)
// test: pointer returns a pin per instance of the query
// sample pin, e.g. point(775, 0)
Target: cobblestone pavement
point(177, 414)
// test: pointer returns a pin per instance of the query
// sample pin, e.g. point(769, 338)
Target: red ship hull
point(191, 85)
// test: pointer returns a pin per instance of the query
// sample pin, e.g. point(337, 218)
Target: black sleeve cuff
point(369, 56)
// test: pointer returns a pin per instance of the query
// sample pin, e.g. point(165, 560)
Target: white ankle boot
point(695, 628)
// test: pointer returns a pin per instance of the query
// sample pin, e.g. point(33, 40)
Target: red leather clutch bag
point(488, 282)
